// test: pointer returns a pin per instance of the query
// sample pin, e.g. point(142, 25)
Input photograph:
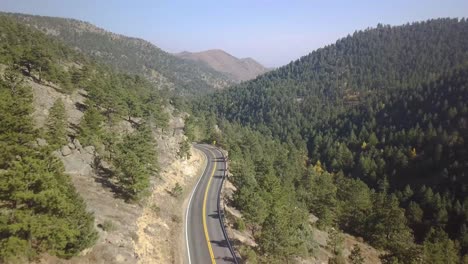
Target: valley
point(114, 150)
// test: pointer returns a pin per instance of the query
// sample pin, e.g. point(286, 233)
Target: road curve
point(205, 239)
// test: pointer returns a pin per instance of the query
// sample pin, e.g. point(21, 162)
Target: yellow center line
point(210, 249)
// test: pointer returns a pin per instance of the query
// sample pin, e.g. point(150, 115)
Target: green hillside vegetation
point(290, 101)
point(131, 55)
point(39, 208)
point(115, 97)
point(380, 118)
point(40, 211)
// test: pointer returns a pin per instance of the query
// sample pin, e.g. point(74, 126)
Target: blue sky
point(272, 32)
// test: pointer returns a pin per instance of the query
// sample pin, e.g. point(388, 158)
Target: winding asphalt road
point(205, 240)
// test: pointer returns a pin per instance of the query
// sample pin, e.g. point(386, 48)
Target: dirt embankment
point(160, 228)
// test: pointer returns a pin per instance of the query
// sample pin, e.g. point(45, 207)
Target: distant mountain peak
point(237, 69)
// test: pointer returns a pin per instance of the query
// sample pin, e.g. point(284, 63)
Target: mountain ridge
point(130, 54)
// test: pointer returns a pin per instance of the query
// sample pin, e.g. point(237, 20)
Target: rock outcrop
point(76, 159)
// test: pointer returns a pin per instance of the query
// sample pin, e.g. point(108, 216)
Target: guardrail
point(221, 216)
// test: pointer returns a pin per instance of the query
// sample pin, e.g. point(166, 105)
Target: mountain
point(381, 117)
point(290, 100)
point(221, 61)
point(130, 55)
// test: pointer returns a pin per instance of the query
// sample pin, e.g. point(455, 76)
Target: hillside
point(79, 153)
point(290, 100)
point(376, 127)
point(130, 55)
point(221, 61)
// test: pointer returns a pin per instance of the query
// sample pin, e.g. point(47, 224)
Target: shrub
point(107, 226)
point(155, 209)
point(177, 190)
point(239, 224)
point(176, 219)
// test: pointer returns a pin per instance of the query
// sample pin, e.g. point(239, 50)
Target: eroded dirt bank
point(160, 227)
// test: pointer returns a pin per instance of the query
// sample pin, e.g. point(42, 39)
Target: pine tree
point(184, 149)
point(136, 161)
point(387, 226)
point(16, 125)
point(40, 210)
point(280, 236)
point(132, 176)
point(438, 248)
point(57, 124)
point(321, 197)
point(90, 126)
point(45, 216)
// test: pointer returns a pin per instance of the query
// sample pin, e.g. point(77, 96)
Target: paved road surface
point(204, 235)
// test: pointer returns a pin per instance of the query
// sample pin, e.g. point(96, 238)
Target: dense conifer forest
point(368, 134)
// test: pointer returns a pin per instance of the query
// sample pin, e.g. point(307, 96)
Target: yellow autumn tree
point(364, 145)
point(413, 153)
point(318, 167)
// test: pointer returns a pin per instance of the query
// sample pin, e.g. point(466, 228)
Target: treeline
point(40, 211)
point(381, 118)
point(36, 55)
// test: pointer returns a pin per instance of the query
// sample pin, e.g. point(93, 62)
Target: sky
point(272, 32)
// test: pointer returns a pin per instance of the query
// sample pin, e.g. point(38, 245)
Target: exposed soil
point(161, 226)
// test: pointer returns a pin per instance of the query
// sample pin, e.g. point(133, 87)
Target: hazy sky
point(272, 32)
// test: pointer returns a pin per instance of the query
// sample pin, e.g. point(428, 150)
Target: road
point(205, 239)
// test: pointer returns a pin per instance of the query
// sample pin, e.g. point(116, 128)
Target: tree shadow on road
point(220, 243)
point(214, 215)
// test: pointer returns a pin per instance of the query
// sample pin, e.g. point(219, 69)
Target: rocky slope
point(221, 61)
point(128, 233)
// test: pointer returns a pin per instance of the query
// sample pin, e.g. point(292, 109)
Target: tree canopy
point(380, 117)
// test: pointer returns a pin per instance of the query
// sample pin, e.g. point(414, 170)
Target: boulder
point(106, 165)
point(65, 151)
point(57, 154)
point(75, 165)
point(89, 149)
point(77, 144)
point(41, 142)
point(71, 145)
